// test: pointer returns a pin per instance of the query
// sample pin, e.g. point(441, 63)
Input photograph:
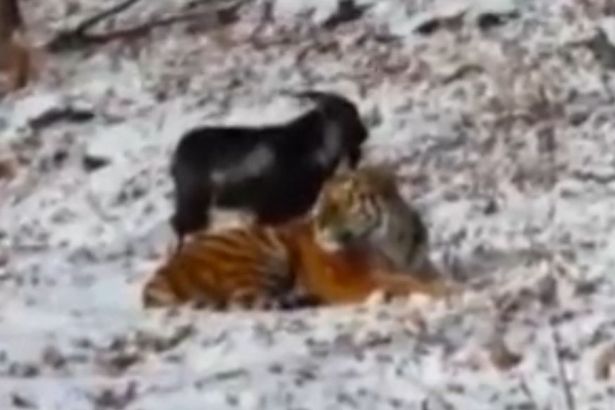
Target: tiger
point(336, 255)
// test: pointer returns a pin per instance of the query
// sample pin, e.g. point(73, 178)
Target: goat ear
point(318, 204)
point(342, 171)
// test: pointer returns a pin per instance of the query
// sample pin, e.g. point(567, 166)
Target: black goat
point(274, 172)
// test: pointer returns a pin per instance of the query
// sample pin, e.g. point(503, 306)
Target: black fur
point(271, 171)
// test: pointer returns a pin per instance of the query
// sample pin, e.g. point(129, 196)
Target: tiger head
point(352, 206)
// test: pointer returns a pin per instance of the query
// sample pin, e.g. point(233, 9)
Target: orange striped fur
point(352, 273)
point(349, 248)
point(244, 266)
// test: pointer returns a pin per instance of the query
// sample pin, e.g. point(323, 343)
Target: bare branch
point(97, 18)
point(565, 383)
point(79, 37)
point(76, 37)
point(225, 16)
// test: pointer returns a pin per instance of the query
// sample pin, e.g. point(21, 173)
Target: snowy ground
point(505, 134)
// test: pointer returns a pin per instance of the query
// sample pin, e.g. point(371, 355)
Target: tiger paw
point(379, 297)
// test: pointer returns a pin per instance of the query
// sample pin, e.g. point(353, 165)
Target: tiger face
point(365, 207)
point(352, 207)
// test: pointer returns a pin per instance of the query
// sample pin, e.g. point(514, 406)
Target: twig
point(266, 19)
point(566, 385)
point(528, 393)
point(143, 28)
point(97, 18)
point(79, 38)
point(76, 37)
point(57, 114)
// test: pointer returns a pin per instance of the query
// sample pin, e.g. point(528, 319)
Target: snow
point(516, 190)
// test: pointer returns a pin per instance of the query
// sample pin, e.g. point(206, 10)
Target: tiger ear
point(383, 176)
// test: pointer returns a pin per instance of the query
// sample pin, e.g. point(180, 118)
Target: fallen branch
point(58, 114)
point(79, 37)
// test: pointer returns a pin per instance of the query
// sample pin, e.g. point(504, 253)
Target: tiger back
point(241, 267)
